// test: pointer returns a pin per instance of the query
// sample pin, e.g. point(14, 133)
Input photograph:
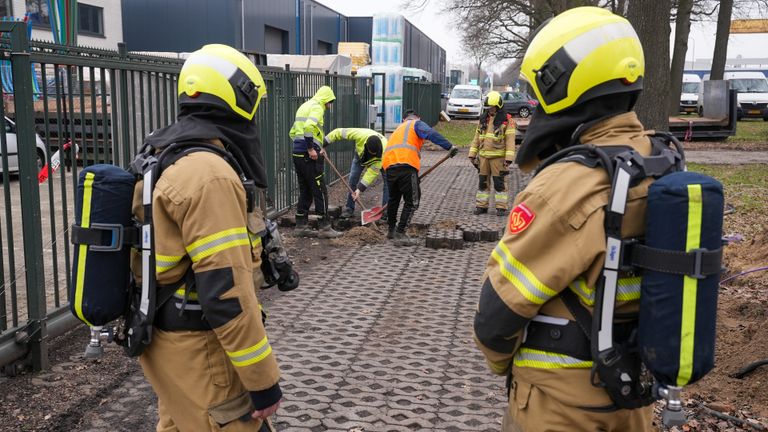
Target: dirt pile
point(361, 235)
point(447, 224)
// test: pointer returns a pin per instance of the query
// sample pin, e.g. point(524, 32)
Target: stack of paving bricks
point(445, 238)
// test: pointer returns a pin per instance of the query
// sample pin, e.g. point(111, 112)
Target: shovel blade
point(371, 215)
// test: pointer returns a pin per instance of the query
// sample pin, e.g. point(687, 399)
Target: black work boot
point(302, 227)
point(391, 233)
point(480, 210)
point(347, 213)
point(501, 212)
point(326, 231)
point(402, 239)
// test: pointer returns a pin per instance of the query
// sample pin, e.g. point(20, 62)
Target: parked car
point(689, 95)
point(465, 101)
point(13, 153)
point(519, 104)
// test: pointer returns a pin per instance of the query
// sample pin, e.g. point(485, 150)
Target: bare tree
point(721, 40)
point(651, 21)
point(682, 30)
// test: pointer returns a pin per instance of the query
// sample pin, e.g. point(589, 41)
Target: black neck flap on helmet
point(240, 137)
point(498, 119)
point(548, 133)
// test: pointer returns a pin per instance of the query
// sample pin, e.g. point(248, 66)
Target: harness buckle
point(697, 256)
point(116, 241)
point(625, 260)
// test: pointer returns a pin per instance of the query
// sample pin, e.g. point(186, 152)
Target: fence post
point(35, 334)
point(124, 119)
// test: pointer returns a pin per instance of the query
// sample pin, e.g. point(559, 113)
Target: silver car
point(13, 153)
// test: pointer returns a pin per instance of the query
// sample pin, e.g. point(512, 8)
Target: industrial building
point(264, 26)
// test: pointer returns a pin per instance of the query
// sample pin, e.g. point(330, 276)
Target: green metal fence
point(424, 97)
point(105, 102)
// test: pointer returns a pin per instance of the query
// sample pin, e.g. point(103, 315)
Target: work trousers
point(192, 376)
point(355, 172)
point(310, 174)
point(532, 410)
point(403, 182)
point(495, 169)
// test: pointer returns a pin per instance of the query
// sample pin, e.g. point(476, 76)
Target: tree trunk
point(682, 30)
point(651, 21)
point(721, 40)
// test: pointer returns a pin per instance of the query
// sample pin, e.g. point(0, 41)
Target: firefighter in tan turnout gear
point(492, 151)
point(210, 361)
point(586, 67)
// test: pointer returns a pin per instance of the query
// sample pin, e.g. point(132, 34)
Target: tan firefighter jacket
point(490, 143)
point(200, 220)
point(555, 241)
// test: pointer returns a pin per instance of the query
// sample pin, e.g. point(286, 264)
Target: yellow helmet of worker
point(223, 77)
point(581, 54)
point(493, 99)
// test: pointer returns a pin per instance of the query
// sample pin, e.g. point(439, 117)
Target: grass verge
point(458, 132)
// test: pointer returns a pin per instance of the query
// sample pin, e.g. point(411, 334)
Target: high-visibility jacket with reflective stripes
point(490, 143)
point(404, 147)
point(200, 220)
point(309, 120)
point(555, 241)
point(359, 136)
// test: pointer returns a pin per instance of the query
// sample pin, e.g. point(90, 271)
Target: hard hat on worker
point(493, 99)
point(221, 76)
point(581, 54)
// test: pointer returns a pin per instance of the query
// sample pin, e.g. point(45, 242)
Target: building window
point(38, 12)
point(91, 19)
point(5, 8)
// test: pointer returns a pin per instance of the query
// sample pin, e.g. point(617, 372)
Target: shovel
point(375, 213)
point(349, 188)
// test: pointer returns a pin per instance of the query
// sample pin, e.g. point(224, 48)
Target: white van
point(465, 101)
point(752, 88)
point(689, 96)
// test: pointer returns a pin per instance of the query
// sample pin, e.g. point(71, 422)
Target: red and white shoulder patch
point(520, 218)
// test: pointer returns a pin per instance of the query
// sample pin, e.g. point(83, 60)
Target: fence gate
point(424, 97)
point(96, 106)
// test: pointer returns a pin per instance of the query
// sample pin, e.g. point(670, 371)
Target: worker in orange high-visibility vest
point(401, 162)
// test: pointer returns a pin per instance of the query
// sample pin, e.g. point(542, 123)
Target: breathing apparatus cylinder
point(101, 265)
point(676, 331)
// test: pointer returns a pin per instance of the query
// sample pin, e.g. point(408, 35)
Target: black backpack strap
point(697, 263)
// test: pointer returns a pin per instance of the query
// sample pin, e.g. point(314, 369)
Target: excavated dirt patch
point(360, 235)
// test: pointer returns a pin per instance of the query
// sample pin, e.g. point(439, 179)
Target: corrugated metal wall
point(360, 29)
point(164, 25)
point(280, 15)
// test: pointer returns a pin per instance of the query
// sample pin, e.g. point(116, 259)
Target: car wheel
point(524, 112)
point(40, 160)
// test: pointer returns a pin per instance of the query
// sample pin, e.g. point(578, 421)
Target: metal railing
point(105, 102)
point(424, 97)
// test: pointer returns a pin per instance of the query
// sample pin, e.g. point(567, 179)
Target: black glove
point(310, 142)
point(453, 151)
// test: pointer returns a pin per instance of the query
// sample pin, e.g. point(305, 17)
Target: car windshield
point(465, 94)
point(691, 87)
point(749, 85)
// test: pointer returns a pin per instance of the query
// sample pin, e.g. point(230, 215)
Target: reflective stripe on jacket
point(490, 143)
point(359, 136)
point(404, 147)
point(309, 118)
point(555, 241)
point(223, 249)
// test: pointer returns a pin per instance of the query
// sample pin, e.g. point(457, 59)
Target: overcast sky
point(439, 27)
